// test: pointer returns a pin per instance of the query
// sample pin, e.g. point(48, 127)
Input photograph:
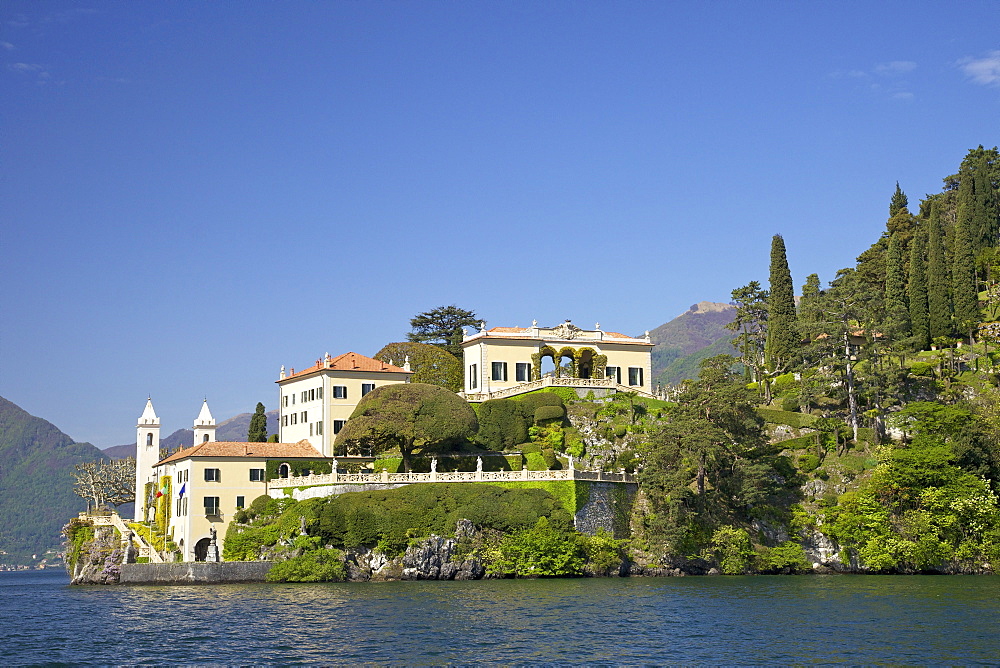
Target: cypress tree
point(938, 302)
point(898, 201)
point(919, 324)
point(897, 316)
point(258, 425)
point(978, 205)
point(782, 327)
point(810, 309)
point(964, 281)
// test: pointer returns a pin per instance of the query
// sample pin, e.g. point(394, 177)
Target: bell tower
point(147, 453)
point(204, 425)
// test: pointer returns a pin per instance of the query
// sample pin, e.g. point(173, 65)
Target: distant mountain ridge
point(36, 484)
point(681, 344)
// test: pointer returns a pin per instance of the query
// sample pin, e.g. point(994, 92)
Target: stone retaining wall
point(608, 507)
point(195, 572)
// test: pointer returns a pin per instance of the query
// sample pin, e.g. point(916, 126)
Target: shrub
point(547, 413)
point(808, 462)
point(315, 566)
point(731, 548)
point(786, 556)
point(923, 369)
point(790, 404)
point(501, 424)
point(604, 554)
point(620, 431)
point(532, 401)
point(795, 420)
point(541, 551)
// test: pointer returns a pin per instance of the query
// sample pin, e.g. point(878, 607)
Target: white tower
point(204, 425)
point(147, 453)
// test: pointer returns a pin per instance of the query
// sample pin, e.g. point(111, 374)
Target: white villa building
point(505, 361)
point(315, 403)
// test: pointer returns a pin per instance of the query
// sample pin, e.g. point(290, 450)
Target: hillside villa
point(206, 484)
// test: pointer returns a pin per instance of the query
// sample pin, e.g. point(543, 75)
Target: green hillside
point(36, 460)
point(681, 344)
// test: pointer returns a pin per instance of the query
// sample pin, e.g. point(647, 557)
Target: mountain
point(233, 429)
point(681, 344)
point(36, 462)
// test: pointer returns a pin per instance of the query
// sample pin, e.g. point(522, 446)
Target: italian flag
point(162, 491)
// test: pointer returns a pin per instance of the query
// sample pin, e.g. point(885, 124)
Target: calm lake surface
point(718, 620)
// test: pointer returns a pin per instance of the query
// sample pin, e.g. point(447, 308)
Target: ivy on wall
point(298, 468)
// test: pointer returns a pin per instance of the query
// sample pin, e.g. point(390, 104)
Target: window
point(499, 371)
point(310, 428)
point(295, 418)
point(613, 372)
point(283, 471)
point(305, 396)
point(240, 502)
point(184, 506)
point(339, 391)
point(366, 388)
point(312, 395)
point(635, 375)
point(522, 372)
point(178, 507)
point(285, 400)
point(319, 428)
point(305, 416)
point(284, 420)
point(213, 475)
point(149, 439)
point(293, 399)
point(472, 377)
point(205, 440)
point(338, 425)
point(256, 475)
point(211, 505)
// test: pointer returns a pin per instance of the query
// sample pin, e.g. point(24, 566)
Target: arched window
point(205, 440)
point(283, 471)
point(149, 439)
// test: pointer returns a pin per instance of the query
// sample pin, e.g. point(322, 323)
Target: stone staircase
point(114, 519)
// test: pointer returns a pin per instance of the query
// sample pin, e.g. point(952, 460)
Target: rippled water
point(723, 620)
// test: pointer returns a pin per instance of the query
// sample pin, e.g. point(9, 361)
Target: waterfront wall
point(608, 507)
point(195, 572)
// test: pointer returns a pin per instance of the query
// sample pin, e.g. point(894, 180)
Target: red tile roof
point(245, 449)
point(347, 362)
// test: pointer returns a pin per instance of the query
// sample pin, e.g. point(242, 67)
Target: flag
point(162, 491)
point(183, 488)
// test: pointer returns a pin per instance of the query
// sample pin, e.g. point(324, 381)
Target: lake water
point(717, 620)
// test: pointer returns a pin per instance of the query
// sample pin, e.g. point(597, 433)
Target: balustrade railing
point(115, 520)
point(552, 381)
point(384, 477)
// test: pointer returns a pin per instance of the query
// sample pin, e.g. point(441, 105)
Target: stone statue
point(479, 464)
point(211, 533)
point(334, 465)
point(434, 465)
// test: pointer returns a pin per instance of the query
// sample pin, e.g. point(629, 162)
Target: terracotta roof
point(525, 333)
point(245, 449)
point(347, 362)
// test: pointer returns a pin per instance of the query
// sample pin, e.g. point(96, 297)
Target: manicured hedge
point(789, 418)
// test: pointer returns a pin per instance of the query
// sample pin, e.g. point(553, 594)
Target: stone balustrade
point(552, 381)
point(446, 476)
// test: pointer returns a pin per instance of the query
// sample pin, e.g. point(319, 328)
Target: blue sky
point(194, 194)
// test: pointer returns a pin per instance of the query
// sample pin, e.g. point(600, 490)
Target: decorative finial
point(534, 323)
point(597, 326)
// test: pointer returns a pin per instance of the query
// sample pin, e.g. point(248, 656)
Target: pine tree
point(898, 201)
point(919, 324)
point(258, 426)
point(782, 326)
point(938, 301)
point(964, 281)
point(897, 316)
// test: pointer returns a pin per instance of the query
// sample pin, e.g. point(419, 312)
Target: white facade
point(314, 404)
point(503, 358)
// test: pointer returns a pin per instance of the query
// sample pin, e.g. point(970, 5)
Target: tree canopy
point(442, 327)
point(257, 433)
point(430, 364)
point(408, 416)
